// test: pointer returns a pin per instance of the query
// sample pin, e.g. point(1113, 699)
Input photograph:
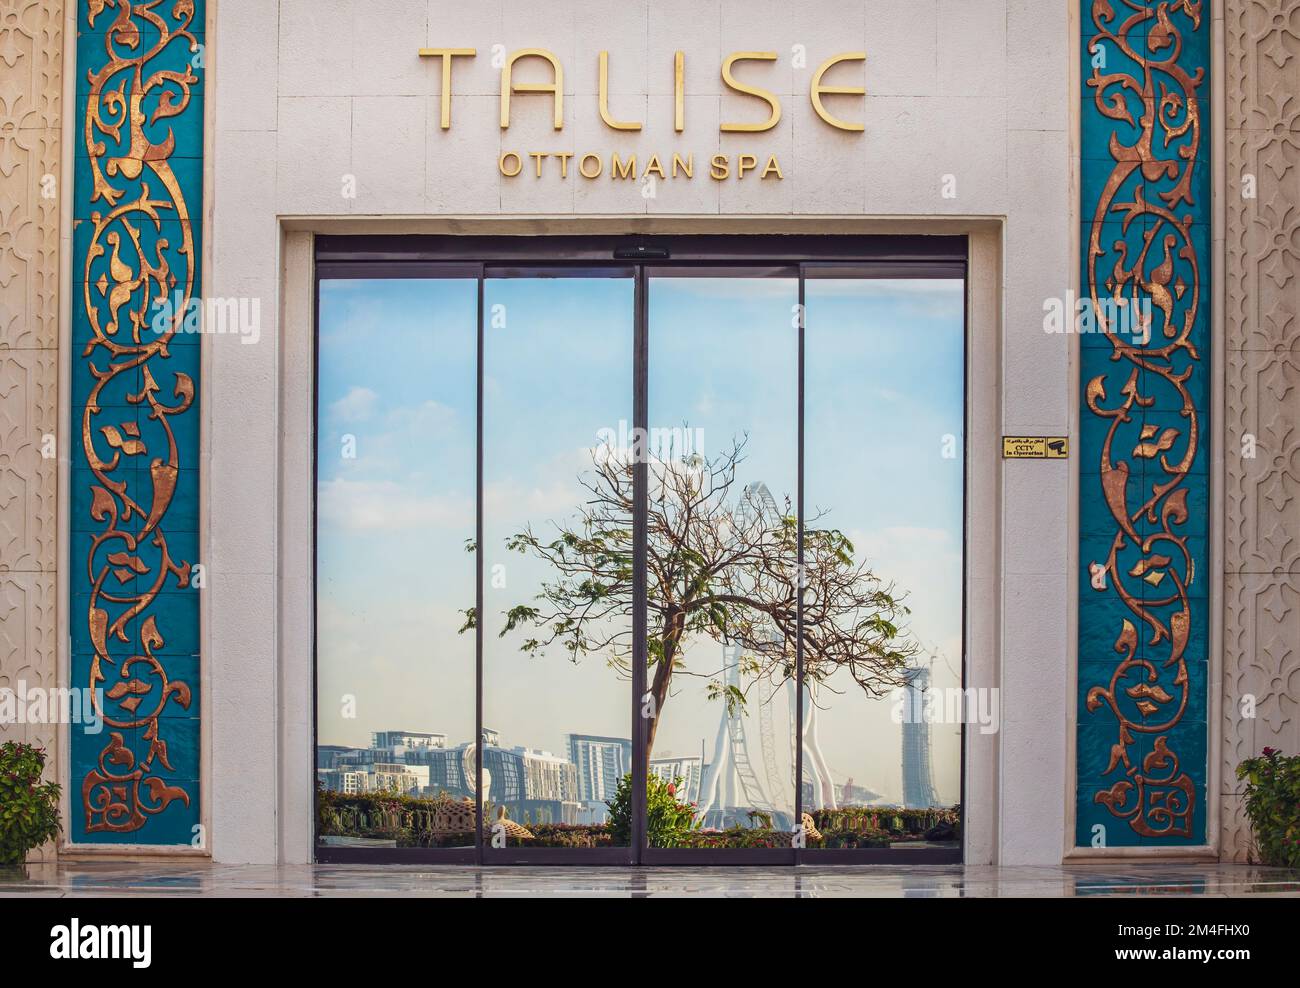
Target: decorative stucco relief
point(31, 94)
point(1261, 655)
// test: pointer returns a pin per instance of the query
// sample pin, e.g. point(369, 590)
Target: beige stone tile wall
point(31, 97)
point(1261, 652)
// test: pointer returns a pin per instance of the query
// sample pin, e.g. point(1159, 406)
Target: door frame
point(642, 257)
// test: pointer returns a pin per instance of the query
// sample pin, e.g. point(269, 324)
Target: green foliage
point(1273, 806)
point(852, 838)
point(471, 620)
point(408, 820)
point(733, 696)
point(736, 837)
point(29, 809)
point(668, 821)
point(936, 824)
point(565, 835)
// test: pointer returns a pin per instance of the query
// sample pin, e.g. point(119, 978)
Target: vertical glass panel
point(395, 506)
point(723, 467)
point(557, 554)
point(883, 454)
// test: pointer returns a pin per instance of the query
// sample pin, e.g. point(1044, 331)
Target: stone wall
point(1261, 654)
point(31, 98)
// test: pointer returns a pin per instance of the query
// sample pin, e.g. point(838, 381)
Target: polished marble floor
point(103, 879)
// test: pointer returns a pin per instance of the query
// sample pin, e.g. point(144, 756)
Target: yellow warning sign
point(1035, 447)
point(1024, 447)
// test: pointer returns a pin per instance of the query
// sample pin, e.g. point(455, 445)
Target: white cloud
point(355, 406)
point(383, 505)
point(423, 420)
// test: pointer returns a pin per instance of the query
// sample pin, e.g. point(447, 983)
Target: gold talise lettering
point(688, 166)
point(745, 163)
point(604, 98)
point(555, 87)
point(653, 165)
point(818, 90)
point(582, 166)
point(770, 98)
point(771, 166)
point(519, 165)
point(679, 91)
point(447, 54)
point(719, 167)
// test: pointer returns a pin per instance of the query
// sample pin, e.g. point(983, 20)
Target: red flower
point(1269, 752)
point(672, 789)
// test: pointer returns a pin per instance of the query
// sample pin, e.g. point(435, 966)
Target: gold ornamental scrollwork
point(139, 209)
point(1142, 257)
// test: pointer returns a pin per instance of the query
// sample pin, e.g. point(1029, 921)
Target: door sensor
point(640, 253)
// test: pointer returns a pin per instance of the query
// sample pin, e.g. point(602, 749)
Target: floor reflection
point(102, 879)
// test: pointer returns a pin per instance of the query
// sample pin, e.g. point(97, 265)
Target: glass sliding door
point(641, 561)
point(395, 501)
point(884, 465)
point(722, 455)
point(557, 560)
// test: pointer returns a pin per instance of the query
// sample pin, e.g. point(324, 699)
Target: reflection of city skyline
point(881, 771)
point(539, 786)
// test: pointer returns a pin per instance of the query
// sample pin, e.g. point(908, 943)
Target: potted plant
point(29, 808)
point(1273, 806)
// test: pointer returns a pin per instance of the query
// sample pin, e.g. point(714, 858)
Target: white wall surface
point(309, 91)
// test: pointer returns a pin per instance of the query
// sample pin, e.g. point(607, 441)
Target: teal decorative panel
point(1143, 653)
point(134, 614)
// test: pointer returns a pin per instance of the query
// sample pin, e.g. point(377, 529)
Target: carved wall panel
point(1143, 686)
point(134, 618)
point(1261, 692)
point(31, 93)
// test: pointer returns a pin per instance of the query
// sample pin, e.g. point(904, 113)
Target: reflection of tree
point(718, 567)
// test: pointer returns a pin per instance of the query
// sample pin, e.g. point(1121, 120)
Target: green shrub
point(931, 824)
point(29, 809)
point(1273, 806)
point(735, 837)
point(566, 835)
point(668, 821)
point(408, 820)
point(852, 838)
